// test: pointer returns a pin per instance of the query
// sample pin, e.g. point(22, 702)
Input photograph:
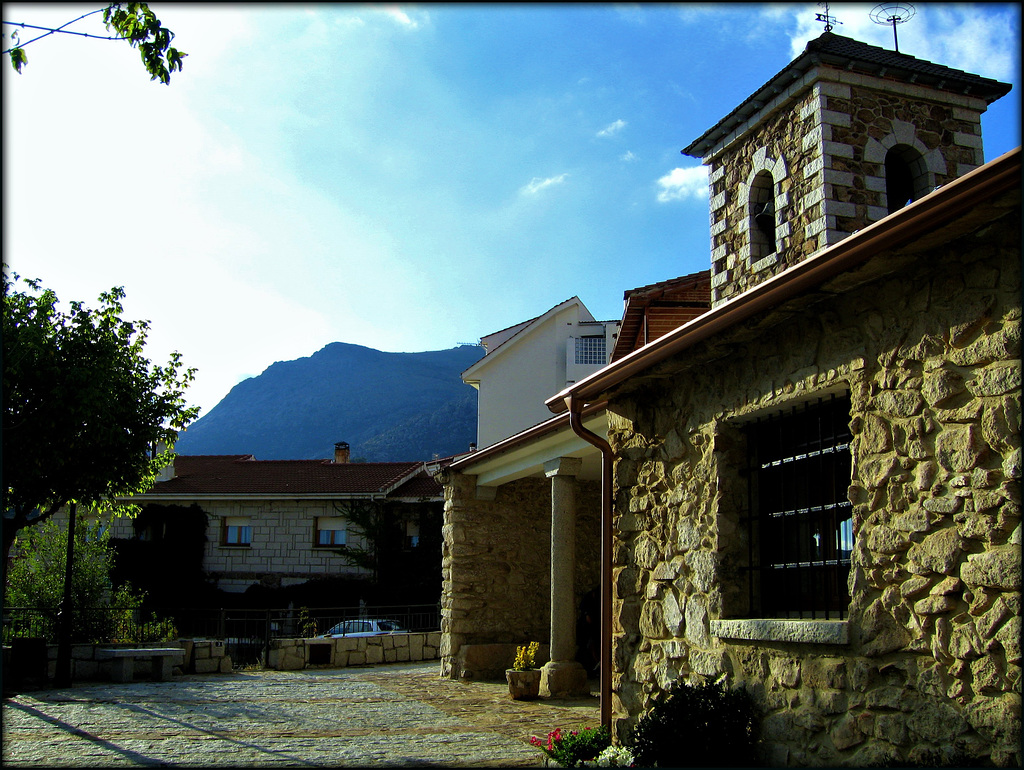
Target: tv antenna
point(829, 20)
point(892, 13)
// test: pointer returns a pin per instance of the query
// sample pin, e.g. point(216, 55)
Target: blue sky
point(402, 177)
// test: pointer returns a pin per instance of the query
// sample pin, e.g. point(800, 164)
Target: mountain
point(387, 406)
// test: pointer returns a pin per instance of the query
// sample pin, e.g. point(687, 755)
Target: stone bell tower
point(843, 136)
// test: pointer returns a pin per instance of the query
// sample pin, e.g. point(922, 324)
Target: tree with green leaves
point(104, 611)
point(397, 573)
point(86, 417)
point(134, 22)
point(378, 529)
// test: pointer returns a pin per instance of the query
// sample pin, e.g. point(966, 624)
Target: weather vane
point(829, 20)
point(893, 13)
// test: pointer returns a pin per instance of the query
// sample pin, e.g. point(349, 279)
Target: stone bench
point(164, 659)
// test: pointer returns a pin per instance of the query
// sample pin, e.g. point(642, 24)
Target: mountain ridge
point(386, 406)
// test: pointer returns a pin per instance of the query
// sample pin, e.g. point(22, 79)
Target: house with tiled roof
point(279, 523)
point(811, 491)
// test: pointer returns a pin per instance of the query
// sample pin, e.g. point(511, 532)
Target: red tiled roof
point(198, 475)
point(420, 485)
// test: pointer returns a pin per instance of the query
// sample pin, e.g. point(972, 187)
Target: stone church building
point(813, 488)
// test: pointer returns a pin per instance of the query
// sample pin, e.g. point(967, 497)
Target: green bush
point(573, 748)
point(101, 611)
point(705, 725)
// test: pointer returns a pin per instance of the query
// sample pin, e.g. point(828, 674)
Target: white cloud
point(983, 39)
point(627, 156)
point(683, 184)
point(537, 184)
point(400, 16)
point(612, 128)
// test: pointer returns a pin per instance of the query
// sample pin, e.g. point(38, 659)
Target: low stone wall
point(33, 662)
point(295, 654)
point(205, 656)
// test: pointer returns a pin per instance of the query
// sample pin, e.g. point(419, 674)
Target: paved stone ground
point(395, 715)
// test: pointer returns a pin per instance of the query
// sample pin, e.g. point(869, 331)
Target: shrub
point(575, 747)
point(705, 725)
point(101, 611)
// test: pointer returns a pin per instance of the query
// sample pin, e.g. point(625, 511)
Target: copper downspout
point(576, 424)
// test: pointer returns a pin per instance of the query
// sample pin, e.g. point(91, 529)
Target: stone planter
point(523, 685)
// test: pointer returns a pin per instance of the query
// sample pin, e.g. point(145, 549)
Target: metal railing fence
point(246, 633)
point(89, 625)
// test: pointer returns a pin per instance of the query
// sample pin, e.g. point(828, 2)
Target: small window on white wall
point(237, 531)
point(330, 531)
point(591, 350)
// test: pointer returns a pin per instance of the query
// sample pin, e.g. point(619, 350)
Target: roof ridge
point(853, 51)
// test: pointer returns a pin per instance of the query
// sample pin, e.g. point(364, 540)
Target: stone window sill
point(800, 631)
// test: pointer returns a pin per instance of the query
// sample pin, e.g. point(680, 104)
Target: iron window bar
point(799, 520)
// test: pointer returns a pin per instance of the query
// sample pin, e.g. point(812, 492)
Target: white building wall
point(529, 368)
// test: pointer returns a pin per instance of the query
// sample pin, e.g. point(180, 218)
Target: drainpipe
point(576, 423)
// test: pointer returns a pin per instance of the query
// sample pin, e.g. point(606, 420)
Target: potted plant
point(524, 676)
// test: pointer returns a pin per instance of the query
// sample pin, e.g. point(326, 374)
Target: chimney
point(167, 472)
point(341, 452)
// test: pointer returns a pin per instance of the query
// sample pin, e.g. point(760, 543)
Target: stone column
point(563, 676)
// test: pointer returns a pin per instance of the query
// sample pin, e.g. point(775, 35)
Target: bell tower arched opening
point(761, 208)
point(906, 176)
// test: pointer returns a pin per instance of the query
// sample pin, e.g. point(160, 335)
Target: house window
point(95, 529)
point(150, 531)
point(237, 531)
point(591, 350)
point(412, 535)
point(800, 520)
point(330, 531)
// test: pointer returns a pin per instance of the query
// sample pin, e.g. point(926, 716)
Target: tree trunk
point(10, 533)
point(63, 674)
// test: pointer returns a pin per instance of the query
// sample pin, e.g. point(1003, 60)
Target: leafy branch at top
point(134, 22)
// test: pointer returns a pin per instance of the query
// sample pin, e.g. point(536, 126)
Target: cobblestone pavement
point(395, 715)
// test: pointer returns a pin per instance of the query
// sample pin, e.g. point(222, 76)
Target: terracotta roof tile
point(420, 485)
point(244, 475)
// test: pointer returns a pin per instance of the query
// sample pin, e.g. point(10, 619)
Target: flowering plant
point(526, 657)
point(575, 748)
point(613, 756)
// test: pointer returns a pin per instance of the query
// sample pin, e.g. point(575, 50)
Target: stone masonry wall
point(929, 347)
point(770, 146)
point(496, 573)
point(282, 550)
point(825, 147)
point(294, 654)
point(202, 656)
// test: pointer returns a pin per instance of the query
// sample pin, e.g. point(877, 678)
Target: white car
point(364, 627)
